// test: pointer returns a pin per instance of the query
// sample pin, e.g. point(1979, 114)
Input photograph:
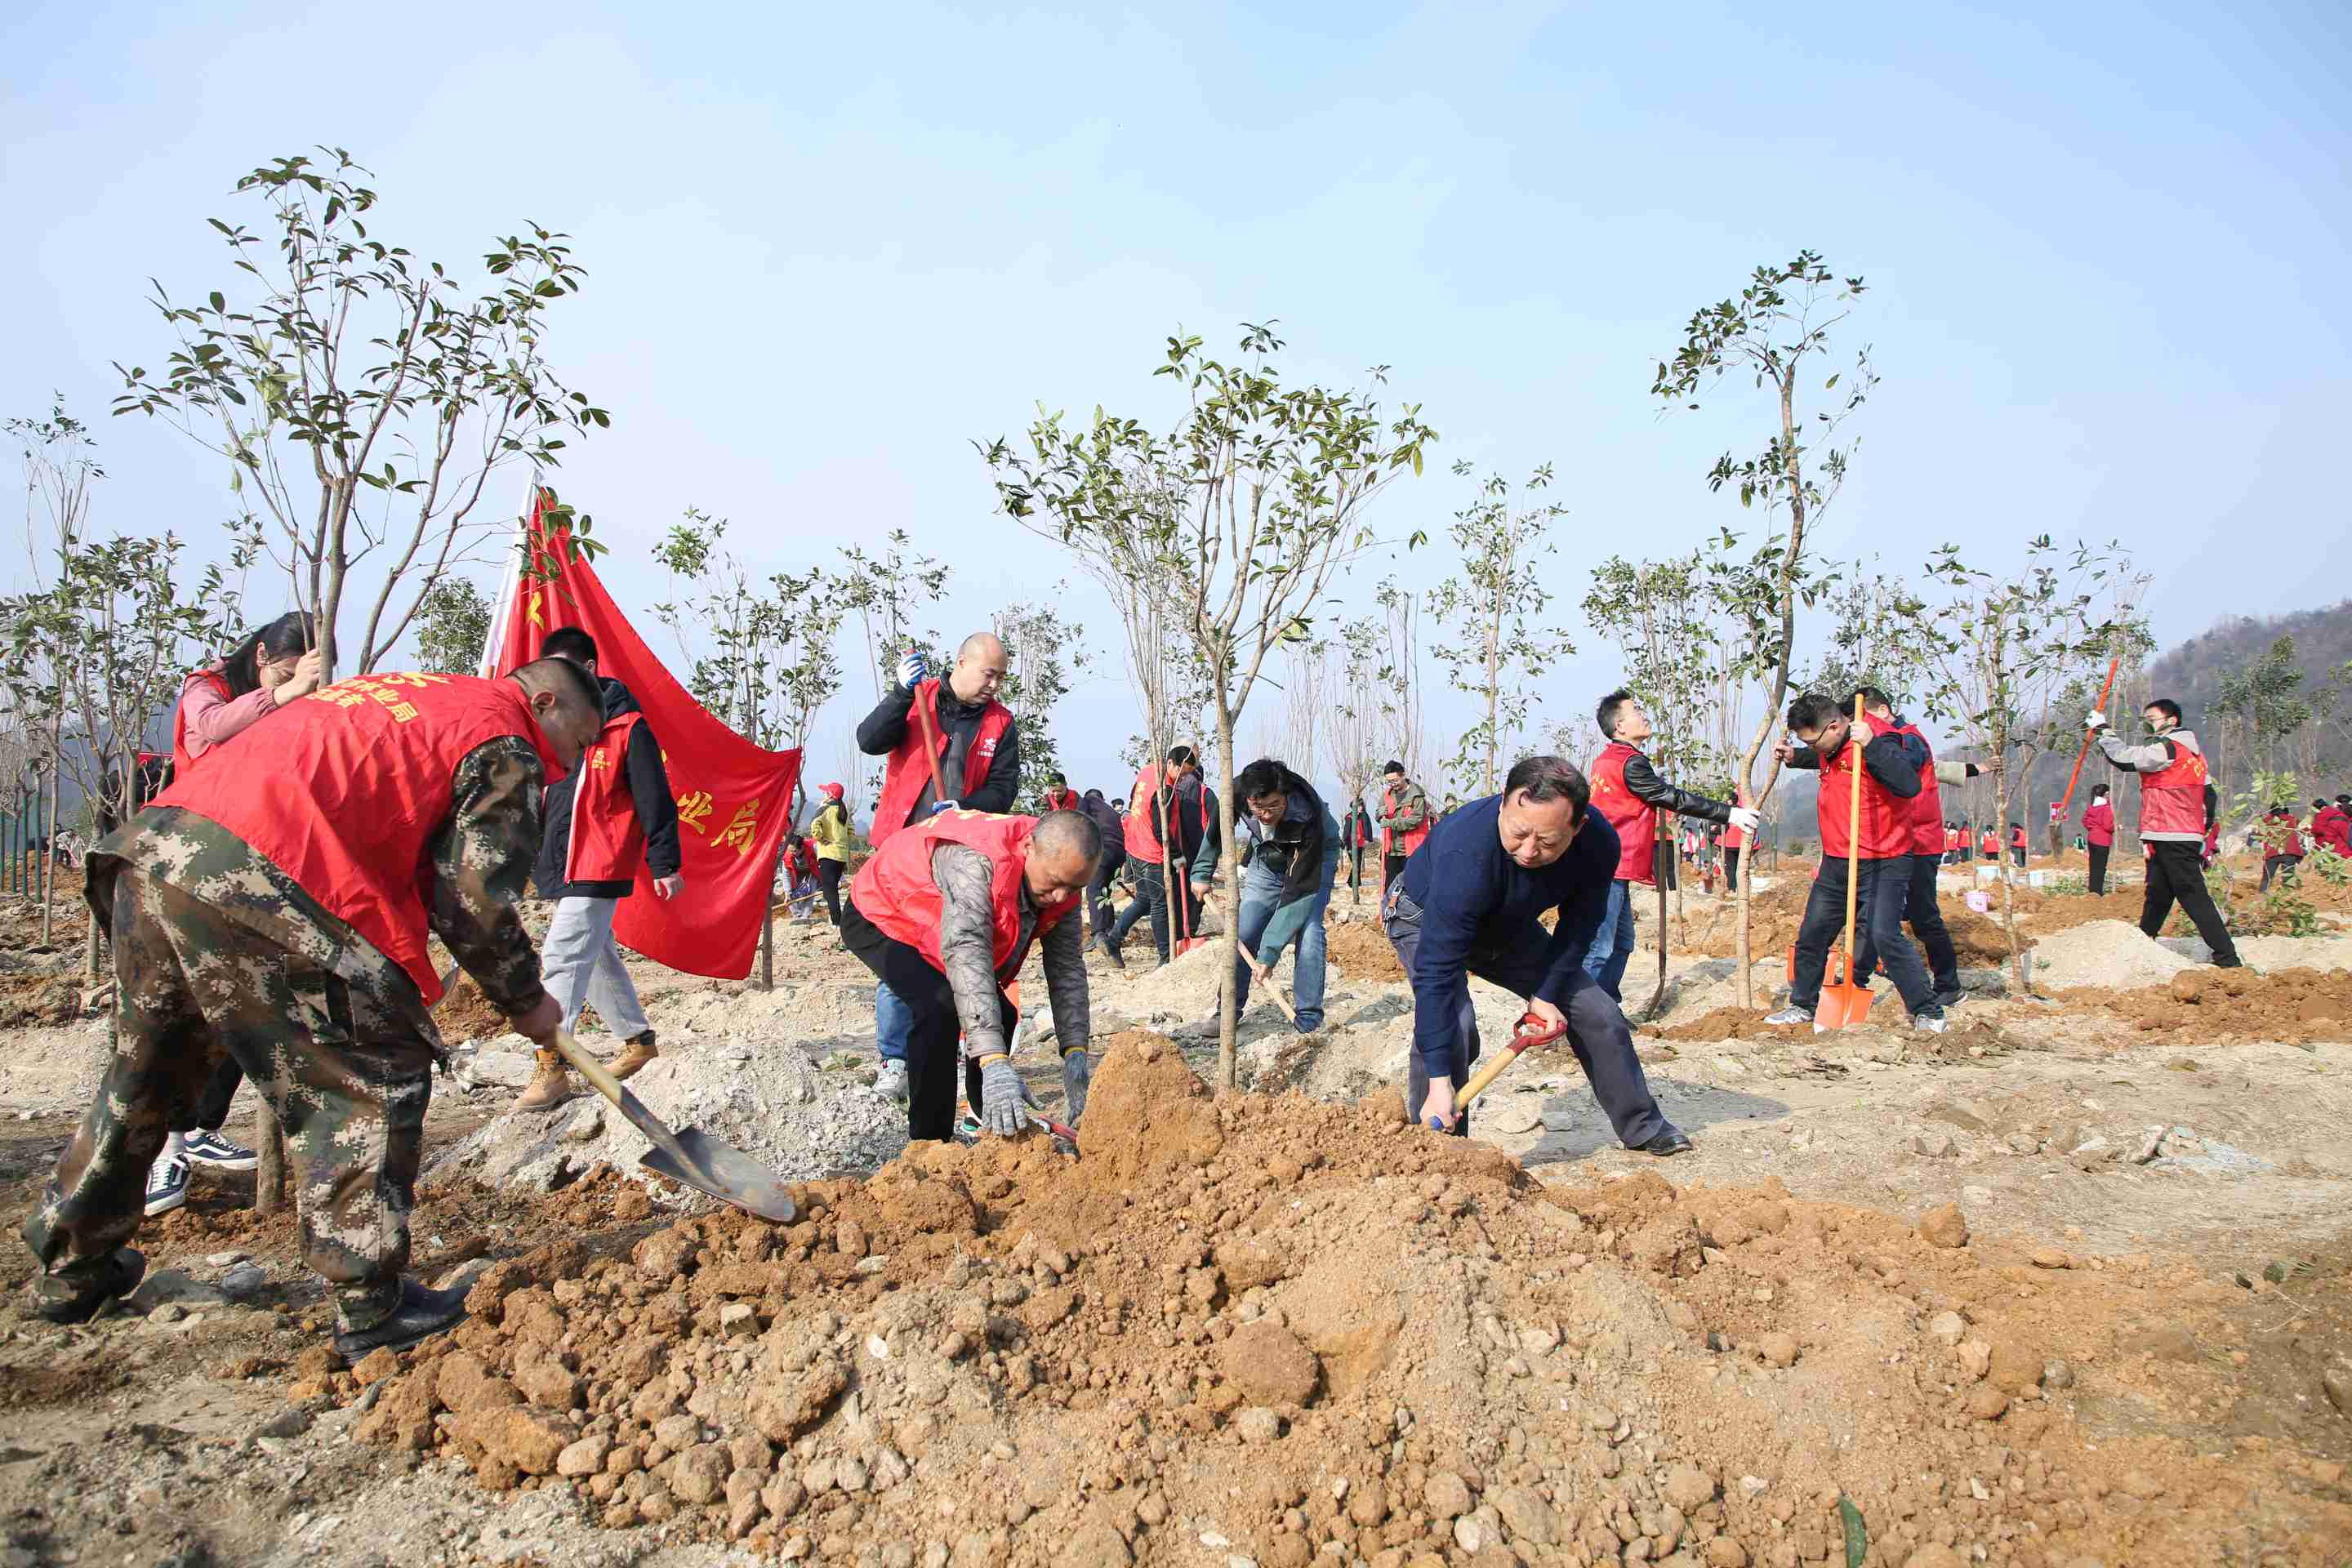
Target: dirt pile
point(1362, 950)
point(33, 997)
point(2103, 952)
point(1773, 914)
point(2291, 1005)
point(1281, 1330)
point(465, 1014)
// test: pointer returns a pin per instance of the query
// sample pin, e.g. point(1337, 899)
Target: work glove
point(944, 806)
point(1077, 1075)
point(1746, 818)
point(2097, 721)
point(1005, 1103)
point(912, 669)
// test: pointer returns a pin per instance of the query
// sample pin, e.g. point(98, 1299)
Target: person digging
point(278, 911)
point(1289, 849)
point(944, 914)
point(2174, 784)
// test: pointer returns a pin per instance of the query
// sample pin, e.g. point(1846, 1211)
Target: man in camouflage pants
point(219, 950)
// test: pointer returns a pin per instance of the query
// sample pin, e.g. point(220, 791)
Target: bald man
point(979, 754)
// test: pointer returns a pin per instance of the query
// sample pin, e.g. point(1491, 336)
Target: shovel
point(1530, 1031)
point(686, 1156)
point(1269, 987)
point(1847, 1003)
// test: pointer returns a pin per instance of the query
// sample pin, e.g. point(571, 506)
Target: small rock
point(2337, 1382)
point(1986, 1402)
point(1944, 1226)
point(1470, 1533)
point(2057, 1374)
point(2024, 1144)
point(2141, 1485)
point(1445, 1495)
point(737, 1319)
point(2150, 1146)
point(244, 1282)
point(291, 1422)
point(1258, 1426)
point(1689, 1488)
point(2092, 1153)
point(1976, 1358)
point(225, 1259)
point(1934, 1145)
point(2051, 1257)
point(1948, 1327)
point(1777, 1348)
point(169, 1312)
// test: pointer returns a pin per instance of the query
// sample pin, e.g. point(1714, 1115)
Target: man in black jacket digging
point(581, 964)
point(1289, 849)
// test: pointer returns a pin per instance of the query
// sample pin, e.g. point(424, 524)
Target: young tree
point(1045, 654)
point(1496, 647)
point(1399, 673)
point(2000, 649)
point(886, 592)
point(1274, 484)
point(359, 399)
point(452, 622)
point(1780, 320)
point(1357, 721)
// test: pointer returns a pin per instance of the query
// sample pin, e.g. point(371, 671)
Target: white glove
point(2097, 721)
point(912, 669)
point(1746, 818)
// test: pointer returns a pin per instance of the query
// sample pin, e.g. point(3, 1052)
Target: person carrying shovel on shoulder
point(1289, 849)
point(276, 911)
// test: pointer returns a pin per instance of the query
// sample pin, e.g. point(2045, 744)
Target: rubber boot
point(550, 1087)
point(75, 1295)
point(640, 1051)
point(417, 1313)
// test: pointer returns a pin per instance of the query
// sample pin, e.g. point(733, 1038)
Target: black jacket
point(1642, 781)
point(1192, 816)
point(648, 792)
point(1114, 828)
point(879, 732)
point(1294, 850)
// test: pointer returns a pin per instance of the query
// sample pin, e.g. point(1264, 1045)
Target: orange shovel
point(1529, 1032)
point(1846, 1004)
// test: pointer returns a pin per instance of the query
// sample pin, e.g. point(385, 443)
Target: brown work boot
point(640, 1051)
point(550, 1087)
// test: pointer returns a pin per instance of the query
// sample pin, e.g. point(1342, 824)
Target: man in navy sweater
point(1466, 904)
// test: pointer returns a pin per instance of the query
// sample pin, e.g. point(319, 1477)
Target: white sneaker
point(890, 1083)
point(1792, 1015)
point(167, 1186)
point(1931, 1020)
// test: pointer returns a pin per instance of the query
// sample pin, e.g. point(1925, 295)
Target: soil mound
point(2292, 1006)
point(2103, 952)
point(1362, 950)
point(1280, 1329)
point(465, 1014)
point(30, 998)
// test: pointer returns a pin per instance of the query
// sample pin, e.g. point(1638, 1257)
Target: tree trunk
point(1228, 1001)
point(269, 1176)
point(768, 926)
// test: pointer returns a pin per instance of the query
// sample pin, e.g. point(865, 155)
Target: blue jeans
point(893, 1022)
point(1613, 944)
point(1261, 892)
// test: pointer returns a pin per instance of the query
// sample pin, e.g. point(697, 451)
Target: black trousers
point(1098, 912)
point(2275, 864)
point(2175, 874)
point(1597, 1030)
point(2099, 869)
point(1391, 867)
point(931, 1041)
point(1356, 866)
point(212, 1111)
point(1731, 868)
point(1882, 899)
point(1926, 920)
point(828, 882)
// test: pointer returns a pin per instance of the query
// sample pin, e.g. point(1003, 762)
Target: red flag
point(734, 799)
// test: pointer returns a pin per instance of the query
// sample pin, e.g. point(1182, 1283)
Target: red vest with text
point(345, 790)
point(1066, 800)
point(2172, 800)
point(2099, 822)
point(1393, 840)
point(1636, 823)
point(182, 759)
point(895, 890)
point(607, 842)
point(1141, 843)
point(1928, 805)
point(908, 770)
point(1885, 818)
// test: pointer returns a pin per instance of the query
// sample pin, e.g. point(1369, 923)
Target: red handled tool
point(1530, 1031)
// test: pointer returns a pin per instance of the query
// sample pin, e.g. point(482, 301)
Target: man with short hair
point(2175, 812)
point(1467, 903)
point(977, 749)
point(1059, 795)
point(603, 818)
point(1630, 793)
point(944, 914)
point(1404, 820)
point(1891, 764)
point(1166, 821)
point(278, 912)
point(1289, 851)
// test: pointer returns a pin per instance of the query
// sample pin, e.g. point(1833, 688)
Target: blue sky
point(2105, 246)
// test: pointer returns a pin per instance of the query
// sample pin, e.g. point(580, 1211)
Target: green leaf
point(1857, 1539)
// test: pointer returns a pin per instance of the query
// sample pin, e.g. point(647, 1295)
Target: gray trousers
point(1597, 1030)
point(581, 967)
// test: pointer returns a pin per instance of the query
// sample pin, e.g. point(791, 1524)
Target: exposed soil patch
point(2295, 1005)
point(29, 998)
point(1361, 950)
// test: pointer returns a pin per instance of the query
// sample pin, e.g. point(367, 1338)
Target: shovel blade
point(1841, 1007)
point(725, 1172)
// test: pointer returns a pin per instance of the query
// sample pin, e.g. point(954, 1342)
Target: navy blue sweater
point(1476, 901)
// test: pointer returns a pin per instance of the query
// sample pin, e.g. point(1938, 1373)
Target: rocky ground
point(2067, 1285)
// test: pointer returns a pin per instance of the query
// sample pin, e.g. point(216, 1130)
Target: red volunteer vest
point(1393, 842)
point(895, 890)
point(607, 842)
point(345, 789)
point(2281, 834)
point(1928, 805)
point(1987, 844)
point(1066, 801)
point(1636, 823)
point(1886, 819)
point(908, 770)
point(2332, 827)
point(182, 759)
point(1140, 843)
point(2099, 822)
point(2017, 836)
point(2172, 801)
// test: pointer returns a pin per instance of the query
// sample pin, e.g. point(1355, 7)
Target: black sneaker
point(1673, 1141)
point(75, 1297)
point(1110, 950)
point(420, 1314)
point(211, 1148)
point(1947, 996)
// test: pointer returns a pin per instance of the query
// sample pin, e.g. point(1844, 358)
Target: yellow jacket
point(830, 834)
